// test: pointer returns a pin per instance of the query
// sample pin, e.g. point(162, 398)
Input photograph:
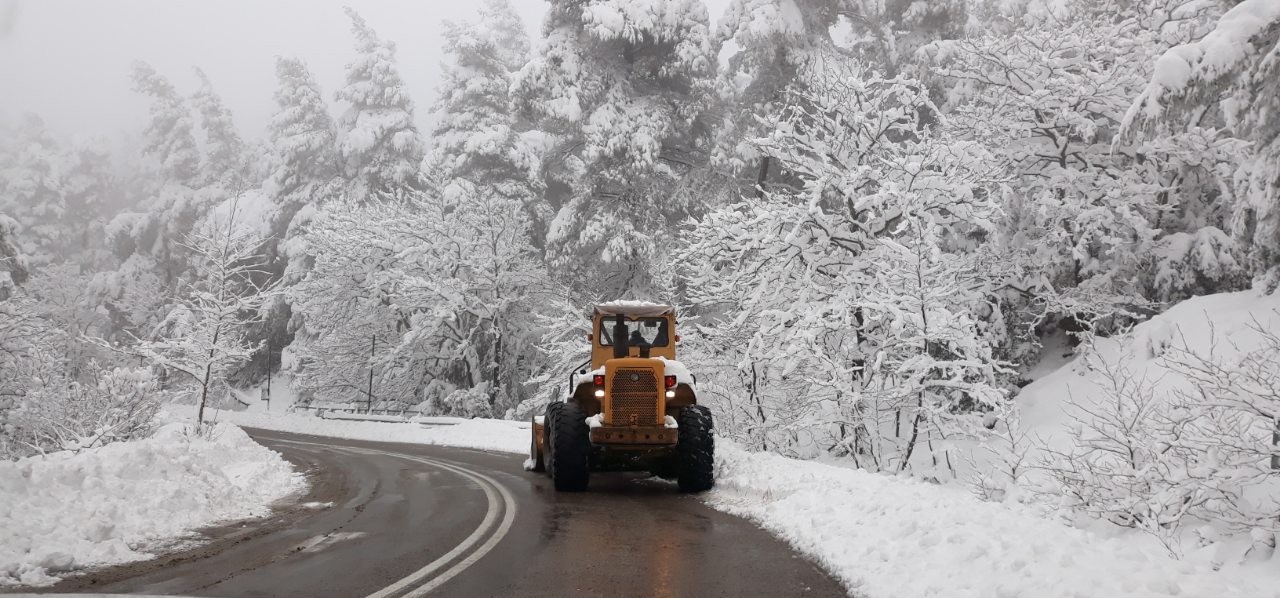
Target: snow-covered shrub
point(1161, 458)
point(1232, 412)
point(1122, 462)
point(57, 414)
point(1009, 456)
point(1196, 263)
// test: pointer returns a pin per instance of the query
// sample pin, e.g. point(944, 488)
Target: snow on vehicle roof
point(633, 308)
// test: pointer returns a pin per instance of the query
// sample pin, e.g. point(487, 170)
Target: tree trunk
point(762, 176)
point(208, 373)
point(915, 433)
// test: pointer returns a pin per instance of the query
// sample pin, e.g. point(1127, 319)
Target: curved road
point(392, 520)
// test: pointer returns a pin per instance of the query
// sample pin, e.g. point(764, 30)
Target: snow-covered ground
point(117, 503)
point(484, 434)
point(891, 537)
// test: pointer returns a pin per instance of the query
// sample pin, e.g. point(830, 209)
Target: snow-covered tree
point(205, 336)
point(624, 88)
point(225, 154)
point(148, 238)
point(1085, 212)
point(477, 138)
point(381, 150)
point(170, 139)
point(852, 307)
point(437, 296)
point(91, 193)
point(13, 265)
point(57, 192)
point(769, 43)
point(304, 168)
point(1197, 446)
point(1229, 75)
point(31, 190)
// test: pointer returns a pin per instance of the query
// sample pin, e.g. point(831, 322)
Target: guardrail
point(378, 415)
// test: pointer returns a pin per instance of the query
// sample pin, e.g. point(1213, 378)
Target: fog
point(68, 60)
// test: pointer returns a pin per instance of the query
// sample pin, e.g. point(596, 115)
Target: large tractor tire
point(548, 416)
point(696, 450)
point(569, 462)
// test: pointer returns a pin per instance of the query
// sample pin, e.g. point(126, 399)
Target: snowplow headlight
point(599, 392)
point(671, 394)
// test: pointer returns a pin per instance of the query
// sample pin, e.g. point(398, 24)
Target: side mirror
point(677, 338)
point(591, 337)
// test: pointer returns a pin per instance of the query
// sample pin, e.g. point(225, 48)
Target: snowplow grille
point(634, 398)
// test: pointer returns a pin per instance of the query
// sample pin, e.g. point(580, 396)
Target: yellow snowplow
point(634, 410)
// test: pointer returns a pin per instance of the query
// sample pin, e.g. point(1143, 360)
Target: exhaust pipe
point(620, 348)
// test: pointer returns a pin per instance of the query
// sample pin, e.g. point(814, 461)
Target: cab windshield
point(649, 330)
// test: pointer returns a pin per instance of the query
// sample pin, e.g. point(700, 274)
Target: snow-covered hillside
point(116, 503)
point(1226, 325)
point(894, 536)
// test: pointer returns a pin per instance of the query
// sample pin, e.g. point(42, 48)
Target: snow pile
point(891, 537)
point(483, 434)
point(115, 503)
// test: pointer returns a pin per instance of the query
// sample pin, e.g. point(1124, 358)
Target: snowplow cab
point(635, 409)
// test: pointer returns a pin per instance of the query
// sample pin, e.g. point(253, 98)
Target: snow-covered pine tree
point(169, 139)
point(225, 162)
point(304, 168)
point(13, 265)
point(1186, 93)
point(623, 87)
point(477, 138)
point(31, 190)
point(769, 43)
point(380, 149)
point(91, 193)
point(171, 206)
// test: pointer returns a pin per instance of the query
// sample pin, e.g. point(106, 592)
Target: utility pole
point(373, 350)
point(1275, 444)
point(267, 399)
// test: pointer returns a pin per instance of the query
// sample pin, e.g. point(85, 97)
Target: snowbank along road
point(396, 520)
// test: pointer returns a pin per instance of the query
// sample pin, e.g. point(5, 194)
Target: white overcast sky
point(69, 60)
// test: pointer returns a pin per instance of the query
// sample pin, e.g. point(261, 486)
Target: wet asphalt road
point(398, 520)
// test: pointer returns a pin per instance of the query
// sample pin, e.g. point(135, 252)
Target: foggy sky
point(69, 60)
